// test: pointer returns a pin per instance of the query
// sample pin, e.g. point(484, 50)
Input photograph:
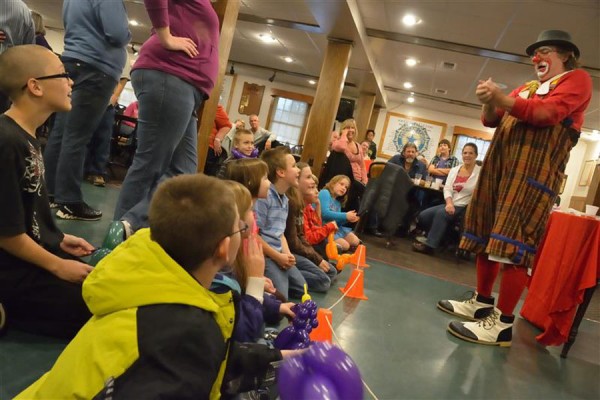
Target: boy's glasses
point(243, 228)
point(55, 76)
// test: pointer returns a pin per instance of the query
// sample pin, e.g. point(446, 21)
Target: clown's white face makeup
point(547, 62)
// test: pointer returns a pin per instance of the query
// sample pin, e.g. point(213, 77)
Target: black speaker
point(345, 110)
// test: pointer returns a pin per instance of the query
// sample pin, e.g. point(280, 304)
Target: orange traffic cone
point(322, 333)
point(359, 258)
point(355, 285)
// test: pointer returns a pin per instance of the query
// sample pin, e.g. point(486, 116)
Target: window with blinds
point(288, 120)
point(460, 141)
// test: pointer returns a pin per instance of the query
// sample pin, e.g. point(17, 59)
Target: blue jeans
point(316, 279)
point(65, 152)
point(98, 150)
point(167, 140)
point(288, 282)
point(435, 220)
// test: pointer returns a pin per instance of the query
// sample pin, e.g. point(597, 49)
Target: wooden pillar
point(227, 10)
point(362, 115)
point(322, 113)
point(374, 117)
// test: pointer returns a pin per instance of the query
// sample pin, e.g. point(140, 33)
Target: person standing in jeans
point(16, 28)
point(96, 36)
point(175, 71)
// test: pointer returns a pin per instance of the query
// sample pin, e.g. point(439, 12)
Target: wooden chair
point(376, 169)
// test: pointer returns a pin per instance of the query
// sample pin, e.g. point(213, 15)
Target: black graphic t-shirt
point(24, 206)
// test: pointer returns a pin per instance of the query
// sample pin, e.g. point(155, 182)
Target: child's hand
point(286, 310)
point(336, 225)
point(269, 287)
point(351, 216)
point(282, 260)
point(252, 257)
point(71, 270)
point(324, 265)
point(291, 353)
point(285, 261)
point(76, 246)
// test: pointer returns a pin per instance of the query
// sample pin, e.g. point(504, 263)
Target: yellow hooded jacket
point(154, 331)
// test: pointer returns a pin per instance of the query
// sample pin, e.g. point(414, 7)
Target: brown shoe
point(98, 180)
point(422, 248)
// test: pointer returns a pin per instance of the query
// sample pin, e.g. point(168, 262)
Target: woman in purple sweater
point(175, 72)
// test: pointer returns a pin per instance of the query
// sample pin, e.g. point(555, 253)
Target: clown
point(537, 125)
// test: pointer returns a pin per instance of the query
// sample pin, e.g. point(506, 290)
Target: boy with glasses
point(40, 274)
point(157, 330)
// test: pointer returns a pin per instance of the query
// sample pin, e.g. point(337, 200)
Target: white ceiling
point(382, 43)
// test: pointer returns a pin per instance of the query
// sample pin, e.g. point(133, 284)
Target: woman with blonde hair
point(347, 145)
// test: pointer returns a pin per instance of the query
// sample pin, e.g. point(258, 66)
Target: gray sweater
point(97, 33)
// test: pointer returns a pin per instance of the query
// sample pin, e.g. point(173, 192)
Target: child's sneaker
point(473, 308)
point(494, 330)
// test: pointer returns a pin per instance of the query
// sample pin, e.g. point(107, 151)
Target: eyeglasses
point(56, 76)
point(543, 51)
point(243, 228)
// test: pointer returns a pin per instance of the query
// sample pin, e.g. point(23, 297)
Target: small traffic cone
point(359, 258)
point(355, 285)
point(322, 333)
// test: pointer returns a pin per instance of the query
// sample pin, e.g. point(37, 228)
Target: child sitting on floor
point(316, 269)
point(331, 197)
point(315, 231)
point(271, 216)
point(40, 272)
point(247, 279)
point(157, 330)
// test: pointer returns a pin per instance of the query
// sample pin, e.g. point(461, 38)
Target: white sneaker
point(128, 229)
point(490, 330)
point(473, 308)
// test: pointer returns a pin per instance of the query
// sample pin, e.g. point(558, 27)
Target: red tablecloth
point(567, 263)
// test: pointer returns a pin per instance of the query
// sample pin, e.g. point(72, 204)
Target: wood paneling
point(362, 114)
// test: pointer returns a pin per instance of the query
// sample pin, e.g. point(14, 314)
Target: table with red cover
point(567, 263)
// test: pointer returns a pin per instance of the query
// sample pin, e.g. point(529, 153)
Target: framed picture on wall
point(400, 129)
point(251, 99)
point(586, 173)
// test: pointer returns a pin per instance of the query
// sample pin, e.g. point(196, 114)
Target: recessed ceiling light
point(410, 20)
point(411, 99)
point(288, 59)
point(411, 62)
point(312, 82)
point(133, 22)
point(267, 38)
point(408, 85)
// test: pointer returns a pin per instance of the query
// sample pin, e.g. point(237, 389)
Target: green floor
point(397, 338)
